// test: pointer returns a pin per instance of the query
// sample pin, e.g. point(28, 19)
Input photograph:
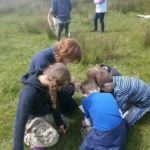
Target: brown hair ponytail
point(58, 76)
point(53, 91)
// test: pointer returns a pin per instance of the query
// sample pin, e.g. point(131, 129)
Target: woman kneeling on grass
point(66, 51)
point(38, 107)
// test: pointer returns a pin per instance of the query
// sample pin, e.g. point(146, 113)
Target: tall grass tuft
point(108, 49)
point(35, 27)
point(97, 52)
point(126, 6)
point(123, 6)
point(147, 36)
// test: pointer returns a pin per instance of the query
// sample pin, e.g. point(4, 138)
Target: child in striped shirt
point(132, 94)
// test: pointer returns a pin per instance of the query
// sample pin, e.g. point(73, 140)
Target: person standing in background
point(101, 8)
point(61, 10)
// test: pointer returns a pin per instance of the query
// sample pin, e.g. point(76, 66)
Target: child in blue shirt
point(108, 128)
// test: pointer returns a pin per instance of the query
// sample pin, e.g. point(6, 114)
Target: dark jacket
point(111, 70)
point(61, 9)
point(34, 101)
point(42, 59)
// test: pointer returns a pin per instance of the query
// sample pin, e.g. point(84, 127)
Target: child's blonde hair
point(68, 48)
point(100, 76)
point(87, 86)
point(58, 76)
point(91, 72)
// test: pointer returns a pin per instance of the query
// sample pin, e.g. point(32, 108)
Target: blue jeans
point(133, 114)
point(101, 17)
point(107, 140)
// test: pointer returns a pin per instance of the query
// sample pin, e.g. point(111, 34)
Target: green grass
point(125, 45)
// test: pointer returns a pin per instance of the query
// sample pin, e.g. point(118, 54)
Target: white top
point(101, 7)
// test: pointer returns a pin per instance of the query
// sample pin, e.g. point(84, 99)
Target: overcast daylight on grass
point(125, 45)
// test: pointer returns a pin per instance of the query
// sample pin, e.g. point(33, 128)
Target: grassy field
point(125, 45)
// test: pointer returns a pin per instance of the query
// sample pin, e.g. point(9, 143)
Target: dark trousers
point(61, 26)
point(101, 17)
point(107, 140)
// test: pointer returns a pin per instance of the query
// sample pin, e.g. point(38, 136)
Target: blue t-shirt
point(103, 111)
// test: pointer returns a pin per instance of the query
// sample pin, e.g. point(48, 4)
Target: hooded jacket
point(34, 101)
point(42, 59)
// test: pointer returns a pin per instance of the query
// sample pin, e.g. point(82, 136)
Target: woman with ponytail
point(38, 115)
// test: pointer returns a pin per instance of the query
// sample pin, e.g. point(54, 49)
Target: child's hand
point(77, 86)
point(83, 123)
point(86, 122)
point(62, 129)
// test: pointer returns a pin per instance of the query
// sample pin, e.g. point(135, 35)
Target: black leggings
point(101, 16)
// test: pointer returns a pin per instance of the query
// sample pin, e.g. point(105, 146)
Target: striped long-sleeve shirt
point(130, 90)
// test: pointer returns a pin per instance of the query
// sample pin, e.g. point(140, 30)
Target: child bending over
point(39, 109)
point(108, 128)
point(132, 94)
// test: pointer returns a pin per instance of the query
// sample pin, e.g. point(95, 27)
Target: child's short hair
point(88, 85)
point(91, 73)
point(100, 76)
